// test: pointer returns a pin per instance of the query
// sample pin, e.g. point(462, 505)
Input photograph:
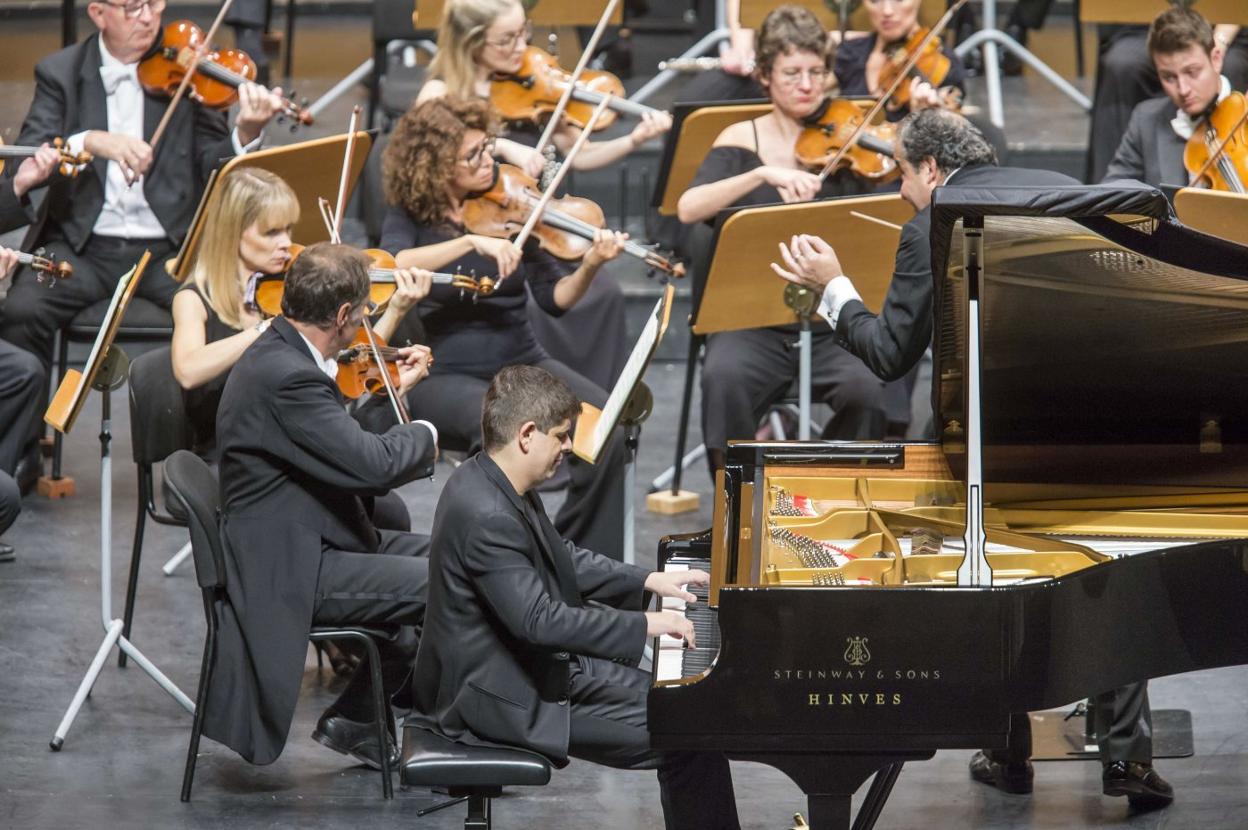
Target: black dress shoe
point(29, 468)
point(1144, 788)
point(7, 554)
point(1008, 778)
point(1011, 63)
point(351, 737)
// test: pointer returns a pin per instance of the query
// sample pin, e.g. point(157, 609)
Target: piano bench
point(474, 774)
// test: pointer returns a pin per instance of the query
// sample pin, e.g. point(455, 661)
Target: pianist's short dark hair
point(524, 393)
point(945, 137)
point(1177, 29)
point(321, 279)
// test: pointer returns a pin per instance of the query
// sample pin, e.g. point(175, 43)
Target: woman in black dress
point(439, 155)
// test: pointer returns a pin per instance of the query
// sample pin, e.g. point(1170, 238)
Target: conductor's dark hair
point(321, 279)
point(789, 29)
point(945, 137)
point(519, 394)
point(1177, 29)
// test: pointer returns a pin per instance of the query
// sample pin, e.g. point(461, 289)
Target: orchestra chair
point(191, 482)
point(475, 774)
point(158, 429)
point(145, 322)
point(392, 85)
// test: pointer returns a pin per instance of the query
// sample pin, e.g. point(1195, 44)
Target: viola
point(567, 226)
point(828, 130)
point(1216, 156)
point(930, 65)
point(70, 162)
point(533, 91)
point(216, 77)
point(270, 287)
point(359, 370)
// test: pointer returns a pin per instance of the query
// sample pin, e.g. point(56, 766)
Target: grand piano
point(1081, 524)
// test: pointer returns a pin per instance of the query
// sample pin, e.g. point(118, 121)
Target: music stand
point(1215, 212)
point(628, 405)
point(105, 370)
point(1144, 11)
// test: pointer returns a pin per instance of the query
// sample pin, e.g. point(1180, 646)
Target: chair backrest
point(158, 423)
point(192, 482)
point(392, 20)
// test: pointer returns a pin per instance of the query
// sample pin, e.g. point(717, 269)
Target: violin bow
point(400, 408)
point(341, 207)
point(187, 77)
point(883, 99)
point(549, 193)
point(586, 55)
point(1216, 155)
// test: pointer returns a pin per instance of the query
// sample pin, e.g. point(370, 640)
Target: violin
point(70, 162)
point(828, 130)
point(930, 65)
point(359, 371)
point(533, 91)
point(216, 78)
point(1216, 156)
point(270, 287)
point(567, 226)
point(45, 266)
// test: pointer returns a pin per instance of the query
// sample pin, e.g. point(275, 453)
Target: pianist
point(531, 641)
point(937, 147)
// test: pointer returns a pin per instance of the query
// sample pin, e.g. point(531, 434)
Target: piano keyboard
point(672, 660)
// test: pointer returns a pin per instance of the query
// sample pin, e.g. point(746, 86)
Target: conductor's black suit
point(531, 641)
point(297, 475)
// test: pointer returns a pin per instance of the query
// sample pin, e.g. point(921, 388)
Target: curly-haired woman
point(440, 154)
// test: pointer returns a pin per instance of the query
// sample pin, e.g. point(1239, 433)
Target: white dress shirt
point(329, 366)
point(126, 213)
point(1184, 125)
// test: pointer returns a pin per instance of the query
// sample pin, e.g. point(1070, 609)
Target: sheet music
point(93, 359)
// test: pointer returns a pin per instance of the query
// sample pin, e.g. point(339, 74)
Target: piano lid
point(1115, 339)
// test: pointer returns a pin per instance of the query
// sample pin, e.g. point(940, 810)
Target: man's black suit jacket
point(506, 612)
point(1150, 150)
point(892, 342)
point(69, 98)
point(12, 212)
point(296, 473)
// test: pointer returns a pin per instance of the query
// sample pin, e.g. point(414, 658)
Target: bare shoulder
point(740, 134)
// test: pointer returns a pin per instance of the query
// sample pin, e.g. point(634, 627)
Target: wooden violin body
point(217, 76)
point(831, 126)
point(534, 90)
point(1216, 156)
point(931, 65)
point(358, 371)
point(567, 226)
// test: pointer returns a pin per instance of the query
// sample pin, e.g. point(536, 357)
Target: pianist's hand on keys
point(672, 584)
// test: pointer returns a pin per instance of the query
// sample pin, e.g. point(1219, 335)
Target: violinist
point(246, 235)
point(130, 198)
point(440, 154)
point(1189, 65)
point(753, 163)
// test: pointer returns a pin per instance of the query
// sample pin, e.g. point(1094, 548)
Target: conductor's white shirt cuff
point(835, 295)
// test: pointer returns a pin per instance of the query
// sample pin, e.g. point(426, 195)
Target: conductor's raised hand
point(669, 624)
point(504, 254)
point(413, 363)
point(809, 262)
point(672, 583)
point(608, 244)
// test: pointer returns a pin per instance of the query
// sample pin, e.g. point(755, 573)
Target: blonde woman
point(247, 233)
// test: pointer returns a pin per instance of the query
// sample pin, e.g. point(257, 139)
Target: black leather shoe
point(1144, 788)
point(7, 554)
point(1012, 64)
point(29, 468)
point(1008, 778)
point(350, 737)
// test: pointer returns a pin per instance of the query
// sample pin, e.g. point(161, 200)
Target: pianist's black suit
point(297, 475)
point(514, 654)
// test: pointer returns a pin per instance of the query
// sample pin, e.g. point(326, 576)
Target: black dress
point(202, 402)
point(473, 337)
point(745, 372)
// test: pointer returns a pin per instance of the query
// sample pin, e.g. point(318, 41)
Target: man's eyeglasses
point(135, 10)
point(508, 42)
point(477, 156)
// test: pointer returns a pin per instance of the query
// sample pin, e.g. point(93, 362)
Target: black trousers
point(591, 338)
point(23, 383)
point(592, 516)
point(1125, 76)
point(608, 727)
point(1121, 718)
point(384, 590)
point(33, 312)
point(745, 372)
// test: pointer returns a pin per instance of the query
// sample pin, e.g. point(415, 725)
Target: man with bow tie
point(132, 197)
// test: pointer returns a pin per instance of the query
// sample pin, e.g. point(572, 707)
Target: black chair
point(145, 322)
point(191, 482)
point(468, 773)
point(158, 429)
point(392, 86)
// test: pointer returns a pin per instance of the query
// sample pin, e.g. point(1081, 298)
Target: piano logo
point(856, 653)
